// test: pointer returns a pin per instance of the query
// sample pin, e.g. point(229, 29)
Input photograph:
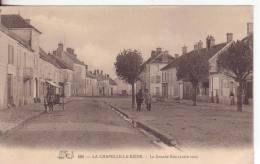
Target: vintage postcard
point(135, 84)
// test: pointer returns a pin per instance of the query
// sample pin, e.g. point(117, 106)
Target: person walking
point(148, 100)
point(139, 100)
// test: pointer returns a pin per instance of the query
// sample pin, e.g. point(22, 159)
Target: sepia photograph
point(142, 84)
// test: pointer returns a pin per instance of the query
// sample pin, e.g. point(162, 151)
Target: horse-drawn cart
point(54, 95)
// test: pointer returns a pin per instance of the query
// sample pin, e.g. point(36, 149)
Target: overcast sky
point(98, 33)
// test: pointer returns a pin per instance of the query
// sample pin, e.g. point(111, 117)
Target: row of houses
point(158, 73)
point(26, 69)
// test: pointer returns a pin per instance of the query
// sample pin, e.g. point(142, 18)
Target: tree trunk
point(133, 95)
point(246, 101)
point(239, 97)
point(194, 99)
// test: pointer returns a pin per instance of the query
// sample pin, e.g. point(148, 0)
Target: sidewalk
point(206, 125)
point(12, 117)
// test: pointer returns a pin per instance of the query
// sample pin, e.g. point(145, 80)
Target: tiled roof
point(15, 37)
point(204, 51)
point(63, 64)
point(159, 59)
point(74, 59)
point(48, 58)
point(16, 21)
point(155, 59)
point(56, 61)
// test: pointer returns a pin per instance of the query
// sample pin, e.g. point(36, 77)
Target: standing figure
point(148, 100)
point(139, 100)
point(45, 103)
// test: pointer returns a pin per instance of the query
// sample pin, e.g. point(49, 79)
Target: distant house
point(123, 88)
point(49, 72)
point(79, 73)
point(66, 75)
point(113, 87)
point(182, 88)
point(77, 83)
point(221, 85)
point(150, 76)
point(102, 83)
point(91, 84)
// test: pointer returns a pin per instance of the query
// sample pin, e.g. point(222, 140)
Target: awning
point(53, 84)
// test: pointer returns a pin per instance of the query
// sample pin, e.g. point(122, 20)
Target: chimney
point(158, 50)
point(176, 56)
point(249, 28)
point(86, 67)
point(229, 37)
point(196, 46)
point(184, 49)
point(60, 46)
point(153, 53)
point(70, 50)
point(101, 72)
point(60, 49)
point(107, 75)
point(165, 56)
point(200, 45)
point(28, 21)
point(97, 71)
point(210, 41)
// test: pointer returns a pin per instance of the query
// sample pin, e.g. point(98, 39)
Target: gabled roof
point(15, 37)
point(204, 51)
point(62, 63)
point(16, 21)
point(48, 58)
point(174, 63)
point(156, 59)
point(56, 61)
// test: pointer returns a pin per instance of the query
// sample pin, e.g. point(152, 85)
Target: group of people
point(146, 97)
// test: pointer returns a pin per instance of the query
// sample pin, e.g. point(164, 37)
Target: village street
point(85, 123)
point(90, 123)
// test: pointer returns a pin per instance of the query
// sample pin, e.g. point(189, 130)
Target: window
point(225, 83)
point(163, 76)
point(34, 61)
point(157, 90)
point(215, 83)
point(24, 55)
point(158, 78)
point(10, 54)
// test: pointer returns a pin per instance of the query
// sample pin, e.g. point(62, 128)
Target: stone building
point(221, 85)
point(91, 84)
point(150, 75)
point(181, 88)
point(77, 83)
point(19, 47)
